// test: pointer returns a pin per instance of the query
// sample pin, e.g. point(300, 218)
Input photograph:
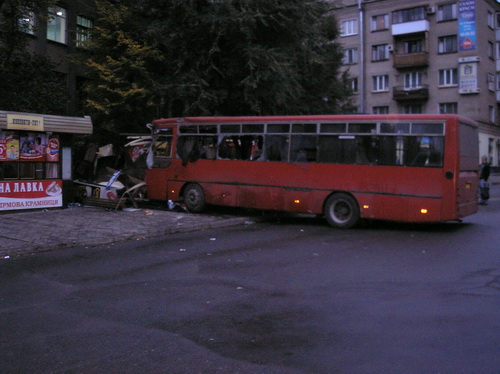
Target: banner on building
point(468, 75)
point(467, 25)
point(30, 194)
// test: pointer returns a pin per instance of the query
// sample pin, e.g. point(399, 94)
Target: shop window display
point(29, 155)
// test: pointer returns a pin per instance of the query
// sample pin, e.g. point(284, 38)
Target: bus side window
point(188, 149)
point(365, 148)
point(304, 148)
point(426, 151)
point(277, 147)
point(208, 147)
point(162, 146)
point(251, 147)
point(337, 150)
point(230, 148)
point(387, 153)
point(193, 148)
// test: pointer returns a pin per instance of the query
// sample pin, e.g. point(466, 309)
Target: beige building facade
point(413, 56)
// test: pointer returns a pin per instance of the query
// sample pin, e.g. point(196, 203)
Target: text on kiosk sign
point(19, 122)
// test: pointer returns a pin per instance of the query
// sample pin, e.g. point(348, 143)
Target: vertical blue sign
point(467, 25)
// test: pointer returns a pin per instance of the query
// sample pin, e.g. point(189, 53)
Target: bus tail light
point(366, 207)
point(296, 201)
point(423, 211)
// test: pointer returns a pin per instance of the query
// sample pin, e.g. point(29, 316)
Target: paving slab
point(23, 233)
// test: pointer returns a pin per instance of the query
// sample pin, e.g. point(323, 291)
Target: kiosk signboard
point(30, 194)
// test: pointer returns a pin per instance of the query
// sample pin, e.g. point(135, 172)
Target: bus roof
point(309, 118)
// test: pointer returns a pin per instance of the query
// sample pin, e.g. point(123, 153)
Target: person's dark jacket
point(484, 172)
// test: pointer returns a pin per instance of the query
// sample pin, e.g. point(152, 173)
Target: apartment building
point(433, 56)
point(68, 25)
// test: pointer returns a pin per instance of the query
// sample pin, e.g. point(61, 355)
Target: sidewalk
point(494, 179)
point(23, 233)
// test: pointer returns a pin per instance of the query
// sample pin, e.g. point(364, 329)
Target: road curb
point(175, 223)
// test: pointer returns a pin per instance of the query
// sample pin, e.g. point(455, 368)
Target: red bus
point(408, 168)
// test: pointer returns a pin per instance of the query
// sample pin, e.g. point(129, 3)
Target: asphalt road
point(289, 296)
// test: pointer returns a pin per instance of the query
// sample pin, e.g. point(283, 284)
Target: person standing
point(484, 186)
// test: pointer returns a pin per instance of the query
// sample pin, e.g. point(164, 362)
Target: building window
point(447, 44)
point(448, 108)
point(380, 22)
point(491, 49)
point(448, 77)
point(84, 28)
point(352, 85)
point(380, 52)
point(380, 110)
point(498, 81)
point(498, 20)
point(56, 25)
point(491, 20)
point(413, 46)
point(380, 83)
point(491, 110)
point(447, 12)
point(491, 82)
point(413, 80)
point(412, 109)
point(27, 23)
point(408, 15)
point(350, 56)
point(349, 27)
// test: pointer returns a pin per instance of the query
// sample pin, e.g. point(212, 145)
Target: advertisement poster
point(468, 81)
point(467, 25)
point(30, 194)
point(52, 148)
point(3, 150)
point(9, 147)
point(28, 146)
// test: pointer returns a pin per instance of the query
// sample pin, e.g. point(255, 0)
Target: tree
point(122, 70)
point(28, 81)
point(154, 58)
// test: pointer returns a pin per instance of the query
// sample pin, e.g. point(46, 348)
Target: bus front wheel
point(341, 210)
point(194, 198)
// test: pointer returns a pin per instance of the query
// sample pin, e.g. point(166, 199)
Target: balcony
point(413, 27)
point(411, 60)
point(401, 93)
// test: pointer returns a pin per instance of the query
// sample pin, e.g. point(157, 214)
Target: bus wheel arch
point(194, 197)
point(342, 210)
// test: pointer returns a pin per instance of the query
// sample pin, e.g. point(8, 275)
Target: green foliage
point(121, 70)
point(27, 81)
point(153, 58)
point(32, 85)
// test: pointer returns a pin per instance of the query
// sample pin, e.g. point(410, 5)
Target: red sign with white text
point(30, 194)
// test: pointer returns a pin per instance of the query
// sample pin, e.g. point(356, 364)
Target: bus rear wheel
point(341, 210)
point(194, 198)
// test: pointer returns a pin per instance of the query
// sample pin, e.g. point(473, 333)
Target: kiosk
point(36, 159)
